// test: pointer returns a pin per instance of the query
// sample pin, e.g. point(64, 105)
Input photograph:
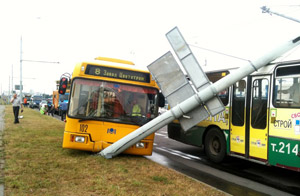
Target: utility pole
point(8, 86)
point(21, 85)
point(21, 60)
point(12, 77)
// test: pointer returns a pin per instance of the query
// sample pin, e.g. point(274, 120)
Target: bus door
point(238, 118)
point(249, 116)
point(258, 122)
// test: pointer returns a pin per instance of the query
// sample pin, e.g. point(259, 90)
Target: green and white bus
point(261, 122)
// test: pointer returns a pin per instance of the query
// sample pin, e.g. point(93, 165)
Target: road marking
point(173, 153)
point(162, 135)
point(165, 132)
point(178, 153)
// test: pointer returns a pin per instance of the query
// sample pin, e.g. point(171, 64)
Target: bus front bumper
point(83, 142)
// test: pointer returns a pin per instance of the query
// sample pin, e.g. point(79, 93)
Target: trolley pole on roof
point(189, 110)
point(265, 9)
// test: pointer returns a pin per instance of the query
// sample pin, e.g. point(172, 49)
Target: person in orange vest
point(25, 102)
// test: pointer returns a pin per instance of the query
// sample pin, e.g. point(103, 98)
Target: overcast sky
point(80, 30)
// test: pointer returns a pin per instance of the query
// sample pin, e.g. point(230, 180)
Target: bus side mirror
point(63, 84)
point(161, 100)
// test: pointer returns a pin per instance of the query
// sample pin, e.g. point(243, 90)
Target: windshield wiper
point(139, 120)
point(88, 118)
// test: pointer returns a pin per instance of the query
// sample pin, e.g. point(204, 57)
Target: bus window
point(224, 96)
point(238, 103)
point(287, 87)
point(287, 93)
point(259, 103)
point(107, 101)
point(215, 76)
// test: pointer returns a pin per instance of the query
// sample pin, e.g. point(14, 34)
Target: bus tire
point(215, 145)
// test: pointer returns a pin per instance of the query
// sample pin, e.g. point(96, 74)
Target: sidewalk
point(2, 108)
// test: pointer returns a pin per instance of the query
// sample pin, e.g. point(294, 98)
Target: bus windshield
point(107, 101)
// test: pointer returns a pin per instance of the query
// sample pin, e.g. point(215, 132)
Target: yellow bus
point(110, 98)
point(57, 98)
point(261, 122)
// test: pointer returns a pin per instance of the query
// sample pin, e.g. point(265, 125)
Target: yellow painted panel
point(258, 143)
point(87, 145)
point(218, 120)
point(237, 139)
point(286, 124)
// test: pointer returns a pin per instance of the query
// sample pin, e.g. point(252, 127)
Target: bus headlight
point(79, 139)
point(140, 145)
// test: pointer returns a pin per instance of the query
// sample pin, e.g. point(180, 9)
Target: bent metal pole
point(196, 100)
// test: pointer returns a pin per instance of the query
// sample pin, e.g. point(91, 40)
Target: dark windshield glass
point(37, 98)
point(100, 100)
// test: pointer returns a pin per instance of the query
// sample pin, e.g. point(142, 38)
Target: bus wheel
point(215, 145)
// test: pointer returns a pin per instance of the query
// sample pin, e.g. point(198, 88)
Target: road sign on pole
point(187, 59)
point(176, 88)
point(17, 87)
point(196, 76)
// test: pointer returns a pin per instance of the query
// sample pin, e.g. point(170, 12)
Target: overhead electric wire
point(217, 52)
point(266, 10)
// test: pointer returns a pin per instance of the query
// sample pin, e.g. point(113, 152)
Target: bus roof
point(268, 69)
point(116, 64)
point(114, 60)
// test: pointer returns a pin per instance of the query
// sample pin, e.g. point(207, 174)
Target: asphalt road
point(234, 176)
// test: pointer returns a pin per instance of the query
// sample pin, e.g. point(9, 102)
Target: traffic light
point(63, 84)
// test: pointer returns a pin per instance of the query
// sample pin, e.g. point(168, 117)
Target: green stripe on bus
point(284, 152)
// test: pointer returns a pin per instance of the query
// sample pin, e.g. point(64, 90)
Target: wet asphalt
point(233, 180)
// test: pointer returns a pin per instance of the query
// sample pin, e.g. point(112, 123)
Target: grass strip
point(36, 164)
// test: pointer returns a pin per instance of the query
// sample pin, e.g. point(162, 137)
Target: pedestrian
point(63, 109)
point(44, 109)
point(16, 103)
point(25, 102)
point(50, 108)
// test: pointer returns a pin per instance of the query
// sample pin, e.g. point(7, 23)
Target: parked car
point(42, 103)
point(35, 101)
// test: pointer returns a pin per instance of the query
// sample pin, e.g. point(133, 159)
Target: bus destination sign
point(117, 73)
